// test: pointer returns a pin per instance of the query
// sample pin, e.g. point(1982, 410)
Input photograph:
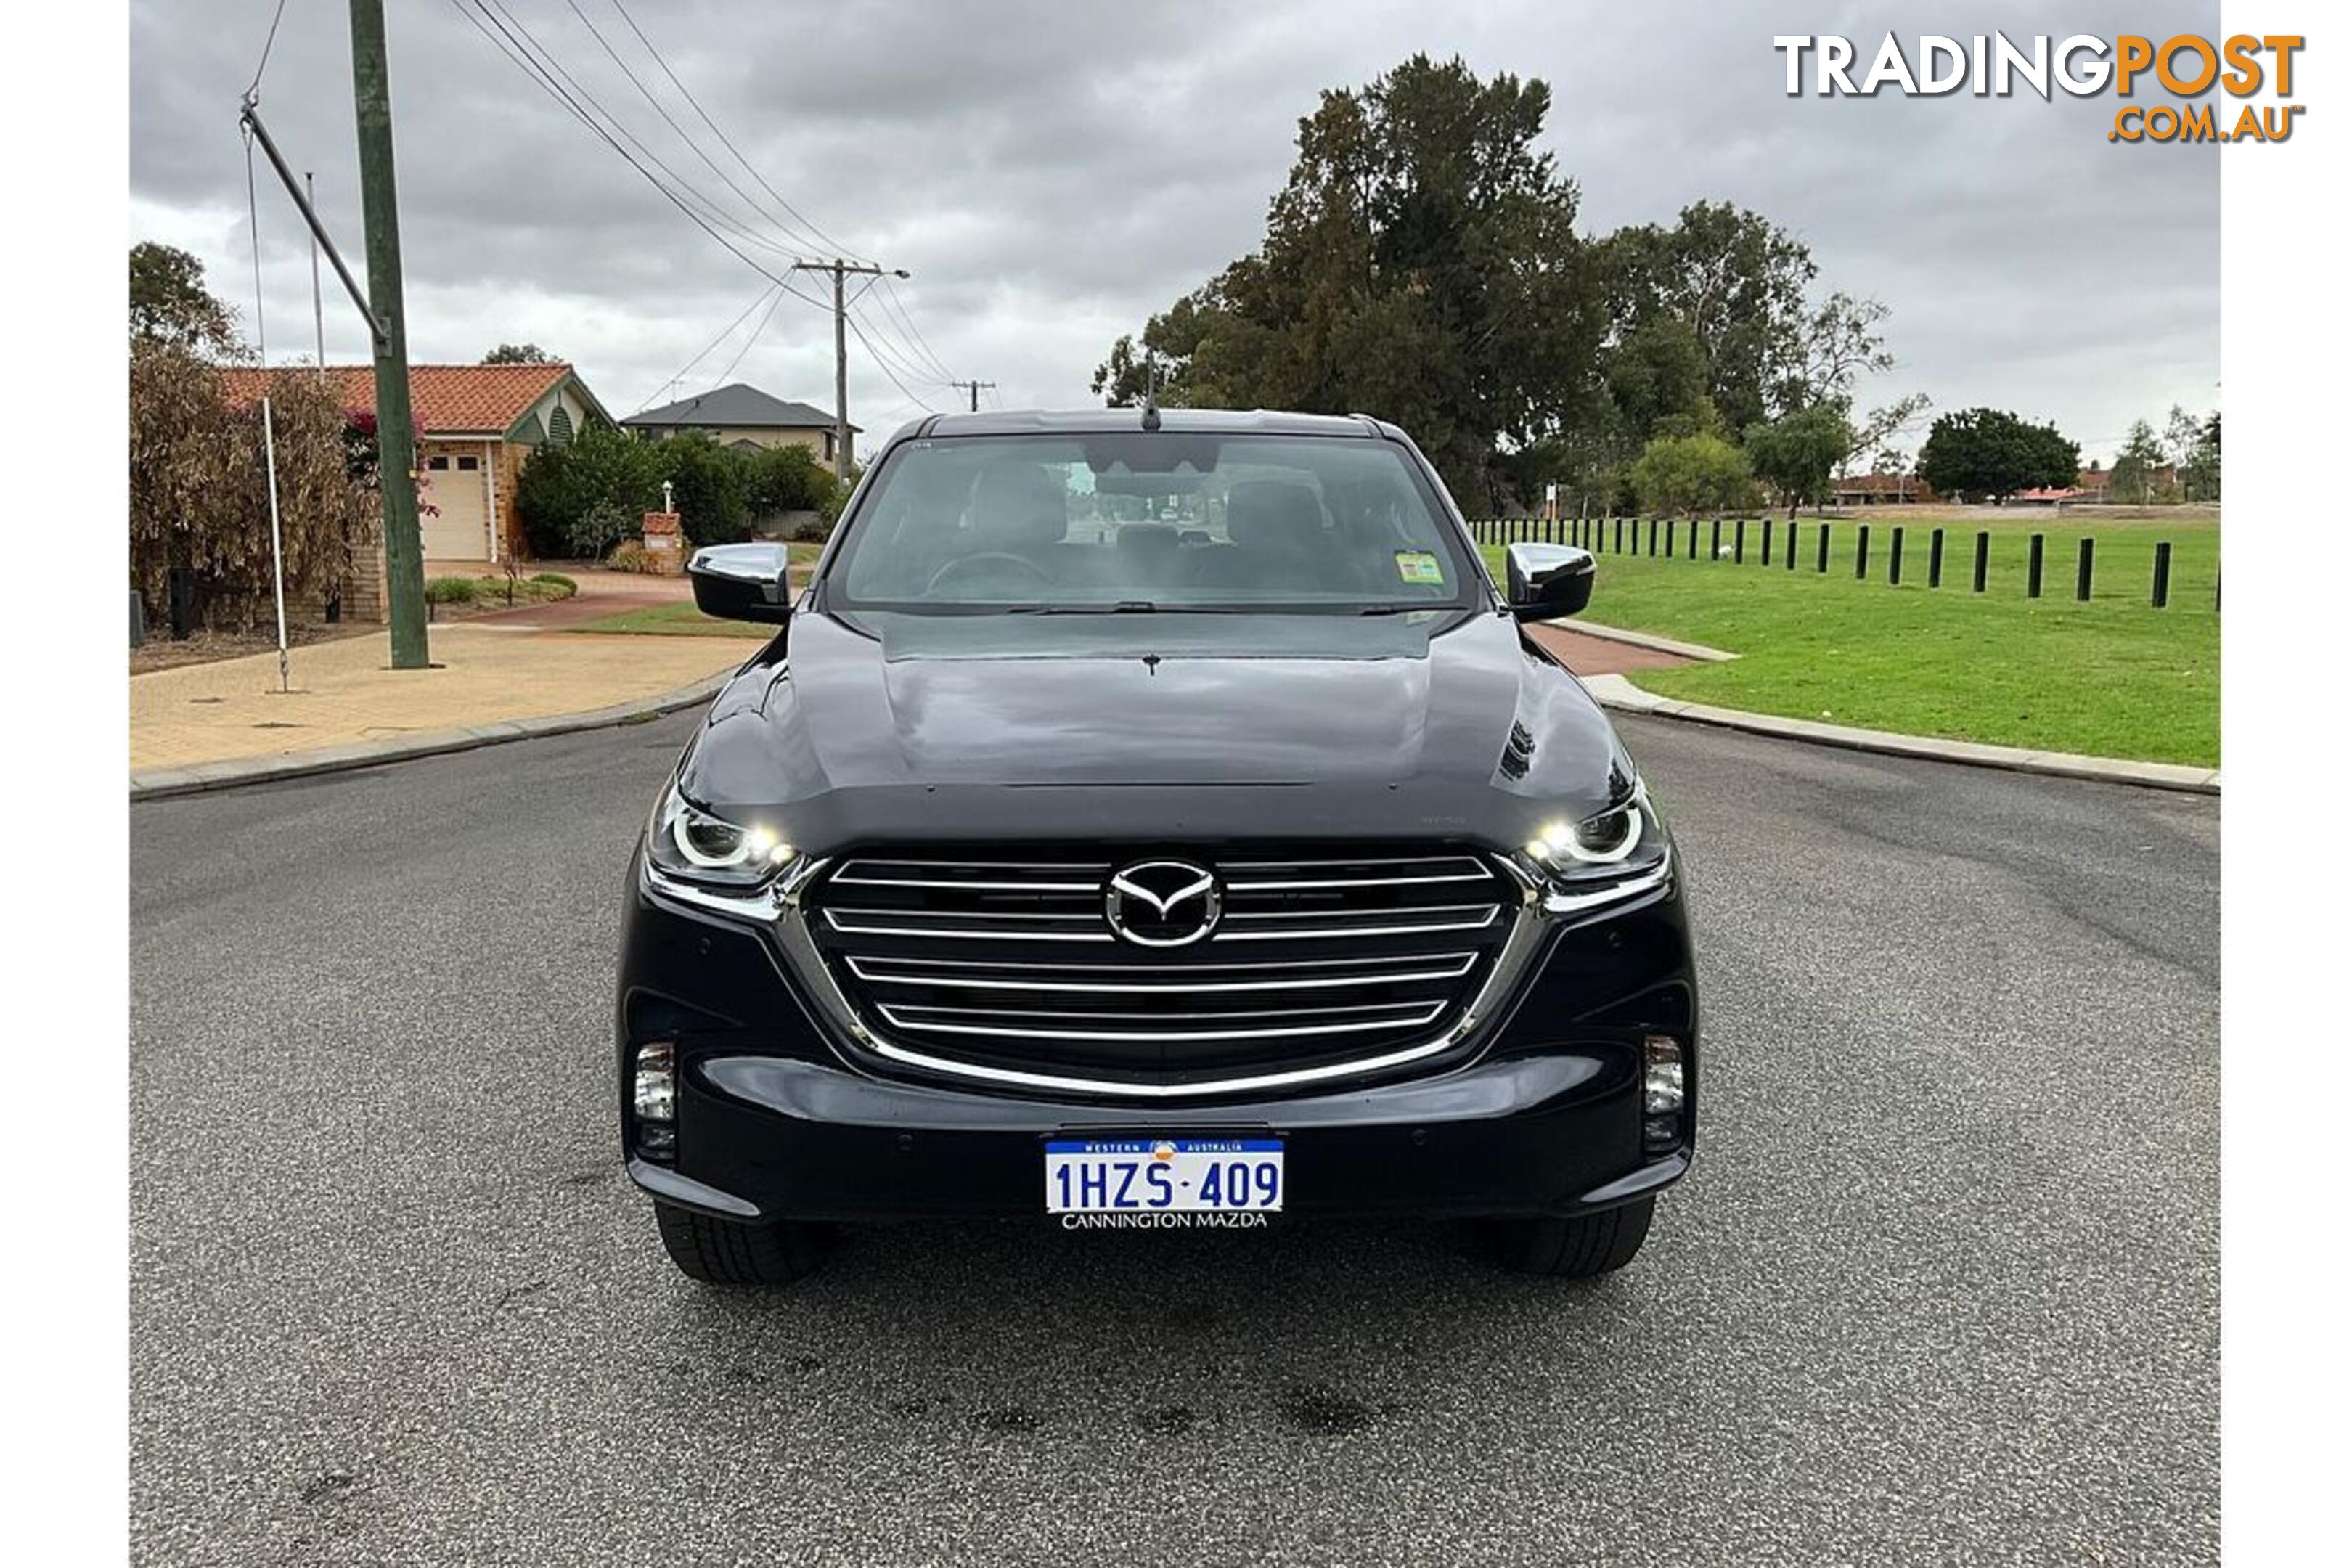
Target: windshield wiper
point(1123, 607)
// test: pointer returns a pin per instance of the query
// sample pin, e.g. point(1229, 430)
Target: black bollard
point(2033, 568)
point(1894, 558)
point(2083, 572)
point(1715, 540)
point(1862, 550)
point(2160, 592)
point(1789, 556)
point(1821, 560)
point(1739, 542)
point(1936, 559)
point(1984, 549)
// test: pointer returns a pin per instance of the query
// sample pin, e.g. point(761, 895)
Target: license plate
point(1164, 1175)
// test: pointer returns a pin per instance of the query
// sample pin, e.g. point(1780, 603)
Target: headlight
point(1624, 841)
point(696, 846)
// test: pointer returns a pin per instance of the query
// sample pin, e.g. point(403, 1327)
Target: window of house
point(436, 463)
point(559, 425)
point(468, 465)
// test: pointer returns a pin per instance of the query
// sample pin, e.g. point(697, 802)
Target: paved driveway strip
point(1942, 1289)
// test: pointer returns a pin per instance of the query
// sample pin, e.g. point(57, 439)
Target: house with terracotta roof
point(478, 425)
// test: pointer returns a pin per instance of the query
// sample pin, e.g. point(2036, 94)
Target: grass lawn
point(671, 620)
point(2112, 677)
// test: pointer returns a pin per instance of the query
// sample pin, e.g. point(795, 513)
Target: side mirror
point(1545, 582)
point(741, 582)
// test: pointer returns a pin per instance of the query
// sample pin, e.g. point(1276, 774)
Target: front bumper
point(1541, 1116)
point(766, 1137)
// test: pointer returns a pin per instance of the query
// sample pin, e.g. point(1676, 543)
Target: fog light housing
point(653, 1098)
point(1662, 1095)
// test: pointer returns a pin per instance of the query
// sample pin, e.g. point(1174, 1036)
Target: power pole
point(841, 270)
point(974, 388)
point(395, 436)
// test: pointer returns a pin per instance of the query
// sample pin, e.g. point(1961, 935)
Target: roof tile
point(447, 399)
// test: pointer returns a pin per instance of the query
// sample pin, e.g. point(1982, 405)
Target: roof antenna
point(1152, 391)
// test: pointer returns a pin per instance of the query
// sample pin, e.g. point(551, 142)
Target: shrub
point(452, 590)
point(630, 556)
point(711, 486)
point(564, 586)
point(787, 479)
point(1691, 473)
point(605, 524)
point(601, 470)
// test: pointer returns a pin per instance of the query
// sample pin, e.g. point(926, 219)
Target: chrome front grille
point(1009, 963)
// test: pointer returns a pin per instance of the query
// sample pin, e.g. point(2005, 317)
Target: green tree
point(1798, 453)
point(1658, 371)
point(1987, 453)
point(169, 302)
point(2200, 478)
point(786, 479)
point(2139, 472)
point(561, 483)
point(519, 353)
point(1421, 263)
point(1740, 284)
point(710, 487)
point(1691, 474)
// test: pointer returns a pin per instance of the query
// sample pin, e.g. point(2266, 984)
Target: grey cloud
point(1052, 172)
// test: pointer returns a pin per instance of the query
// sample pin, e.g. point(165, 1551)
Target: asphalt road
point(1943, 1287)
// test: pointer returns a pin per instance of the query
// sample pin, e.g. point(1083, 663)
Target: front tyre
point(1579, 1249)
point(730, 1252)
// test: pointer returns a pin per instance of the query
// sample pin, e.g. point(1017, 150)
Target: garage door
point(453, 484)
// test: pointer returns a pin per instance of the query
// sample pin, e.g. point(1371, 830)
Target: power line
point(891, 303)
point(886, 366)
point(668, 119)
point(805, 222)
point(896, 355)
point(267, 45)
point(540, 63)
point(749, 341)
point(706, 348)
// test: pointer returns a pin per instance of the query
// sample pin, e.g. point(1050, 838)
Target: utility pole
point(841, 270)
point(395, 436)
point(974, 388)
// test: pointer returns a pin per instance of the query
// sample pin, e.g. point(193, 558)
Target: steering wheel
point(967, 564)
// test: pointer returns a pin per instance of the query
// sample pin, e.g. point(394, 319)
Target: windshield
point(1155, 520)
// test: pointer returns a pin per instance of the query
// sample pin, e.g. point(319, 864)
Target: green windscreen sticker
point(1419, 566)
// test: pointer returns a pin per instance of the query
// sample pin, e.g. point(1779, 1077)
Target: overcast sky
point(1052, 173)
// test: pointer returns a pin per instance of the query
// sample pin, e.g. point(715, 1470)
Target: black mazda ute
point(1153, 820)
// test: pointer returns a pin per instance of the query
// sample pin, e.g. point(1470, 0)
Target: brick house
point(741, 416)
point(479, 422)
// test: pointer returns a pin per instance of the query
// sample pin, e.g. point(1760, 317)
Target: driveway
point(1942, 1289)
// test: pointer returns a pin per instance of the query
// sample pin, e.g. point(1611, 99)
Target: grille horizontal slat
point(1008, 960)
point(1171, 979)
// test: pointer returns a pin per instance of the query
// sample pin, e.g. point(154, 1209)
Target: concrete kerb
point(1614, 691)
point(157, 783)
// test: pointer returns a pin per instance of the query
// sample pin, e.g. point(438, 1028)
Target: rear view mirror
point(741, 582)
point(1545, 582)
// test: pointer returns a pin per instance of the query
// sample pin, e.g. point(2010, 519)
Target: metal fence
point(1770, 541)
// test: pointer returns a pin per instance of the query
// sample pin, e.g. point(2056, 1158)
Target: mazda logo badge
point(1162, 903)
